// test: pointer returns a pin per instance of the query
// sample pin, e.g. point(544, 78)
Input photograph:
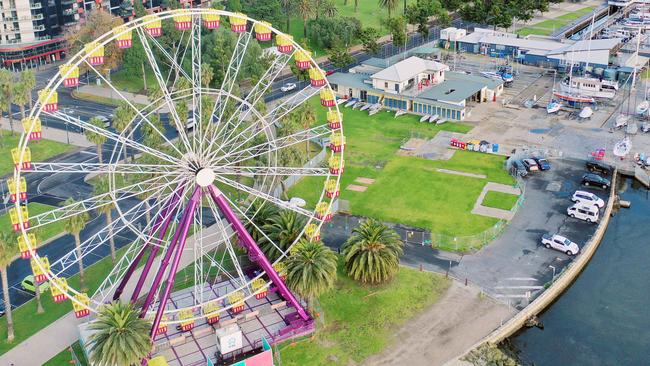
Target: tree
point(372, 253)
point(389, 5)
point(28, 79)
point(306, 114)
point(368, 37)
point(269, 10)
point(8, 250)
point(122, 118)
point(96, 138)
point(181, 110)
point(120, 337)
point(7, 86)
point(339, 56)
point(74, 225)
point(102, 186)
point(206, 74)
point(134, 60)
point(150, 136)
point(311, 269)
point(284, 229)
point(327, 32)
point(305, 10)
point(287, 8)
point(21, 98)
point(234, 5)
point(98, 22)
point(261, 214)
point(397, 27)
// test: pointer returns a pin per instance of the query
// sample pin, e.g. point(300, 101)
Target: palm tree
point(102, 187)
point(123, 116)
point(150, 136)
point(206, 74)
point(8, 250)
point(311, 270)
point(261, 214)
point(21, 98)
point(305, 9)
point(120, 338)
point(372, 252)
point(329, 9)
point(307, 116)
point(181, 111)
point(389, 5)
point(74, 224)
point(283, 229)
point(28, 79)
point(7, 85)
point(96, 138)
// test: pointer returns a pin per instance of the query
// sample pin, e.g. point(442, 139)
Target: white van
point(587, 198)
point(588, 213)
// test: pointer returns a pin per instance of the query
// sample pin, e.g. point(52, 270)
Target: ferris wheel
point(186, 201)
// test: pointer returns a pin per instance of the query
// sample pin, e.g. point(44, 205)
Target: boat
point(351, 103)
point(553, 107)
point(341, 101)
point(441, 121)
point(374, 110)
point(621, 121)
point(586, 112)
point(359, 105)
point(433, 118)
point(623, 147)
point(590, 87)
point(642, 108)
point(399, 113)
point(425, 118)
point(573, 100)
point(645, 127)
point(364, 107)
point(632, 129)
point(501, 75)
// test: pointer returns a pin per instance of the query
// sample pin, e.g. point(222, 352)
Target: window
point(386, 84)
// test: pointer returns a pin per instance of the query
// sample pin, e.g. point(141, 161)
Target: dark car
point(518, 168)
point(542, 163)
point(596, 166)
point(590, 179)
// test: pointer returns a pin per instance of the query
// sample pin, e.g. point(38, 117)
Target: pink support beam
point(188, 217)
point(163, 220)
point(255, 252)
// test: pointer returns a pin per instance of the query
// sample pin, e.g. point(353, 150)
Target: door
point(350, 93)
point(363, 95)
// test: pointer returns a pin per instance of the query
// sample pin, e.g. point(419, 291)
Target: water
point(604, 317)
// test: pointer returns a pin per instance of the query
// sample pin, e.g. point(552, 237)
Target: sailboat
point(623, 147)
point(586, 112)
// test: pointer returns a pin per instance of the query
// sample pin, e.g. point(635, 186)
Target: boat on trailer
point(623, 147)
point(399, 113)
point(621, 121)
point(572, 99)
point(359, 105)
point(590, 87)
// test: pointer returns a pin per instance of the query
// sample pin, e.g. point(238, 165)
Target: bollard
point(420, 267)
point(465, 281)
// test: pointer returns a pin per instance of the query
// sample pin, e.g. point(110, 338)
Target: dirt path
point(446, 330)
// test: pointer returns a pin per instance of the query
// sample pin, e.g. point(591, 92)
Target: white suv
point(558, 242)
point(586, 198)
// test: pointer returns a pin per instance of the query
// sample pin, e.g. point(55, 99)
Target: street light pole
point(67, 135)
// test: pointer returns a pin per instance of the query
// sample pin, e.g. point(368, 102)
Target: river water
point(604, 317)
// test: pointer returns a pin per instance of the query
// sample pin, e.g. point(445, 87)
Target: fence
point(292, 180)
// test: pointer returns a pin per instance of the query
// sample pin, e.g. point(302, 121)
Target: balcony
point(43, 38)
point(39, 28)
point(69, 12)
point(38, 16)
point(35, 5)
point(10, 19)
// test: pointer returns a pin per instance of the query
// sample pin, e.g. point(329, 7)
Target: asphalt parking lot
point(515, 266)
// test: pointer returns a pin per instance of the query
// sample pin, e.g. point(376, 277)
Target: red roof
point(34, 45)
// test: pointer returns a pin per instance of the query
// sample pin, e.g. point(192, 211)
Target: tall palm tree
point(283, 229)
point(329, 9)
point(307, 115)
point(96, 138)
point(8, 250)
point(122, 118)
point(261, 214)
point(311, 270)
point(181, 111)
point(372, 252)
point(7, 85)
point(120, 338)
point(74, 224)
point(389, 5)
point(150, 136)
point(305, 9)
point(21, 97)
point(206, 74)
point(102, 186)
point(28, 78)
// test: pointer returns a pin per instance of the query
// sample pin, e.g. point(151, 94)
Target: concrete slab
point(364, 180)
point(356, 188)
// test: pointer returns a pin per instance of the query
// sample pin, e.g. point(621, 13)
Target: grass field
point(409, 190)
point(41, 150)
point(132, 83)
point(360, 321)
point(65, 358)
point(548, 26)
point(44, 232)
point(115, 101)
point(500, 200)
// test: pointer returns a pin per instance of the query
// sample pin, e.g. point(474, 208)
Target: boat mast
point(591, 35)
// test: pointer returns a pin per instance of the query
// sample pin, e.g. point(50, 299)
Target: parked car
point(530, 165)
point(329, 72)
point(558, 242)
point(591, 179)
point(587, 213)
point(542, 163)
point(518, 168)
point(596, 166)
point(288, 87)
point(105, 120)
point(28, 285)
point(190, 123)
point(586, 198)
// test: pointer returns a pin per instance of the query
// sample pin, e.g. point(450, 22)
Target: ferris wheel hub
point(205, 177)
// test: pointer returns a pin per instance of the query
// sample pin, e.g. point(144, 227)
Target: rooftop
point(407, 69)
point(457, 87)
point(350, 80)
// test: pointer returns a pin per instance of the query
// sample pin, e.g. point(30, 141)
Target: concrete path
point(106, 92)
point(497, 213)
point(465, 174)
point(54, 134)
point(460, 319)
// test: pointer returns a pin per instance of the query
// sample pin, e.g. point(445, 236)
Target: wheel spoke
point(256, 171)
point(85, 168)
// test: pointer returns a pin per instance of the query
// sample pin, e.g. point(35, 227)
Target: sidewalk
point(53, 134)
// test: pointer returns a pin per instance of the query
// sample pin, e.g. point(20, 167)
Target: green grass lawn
point(41, 150)
point(409, 190)
point(360, 321)
point(44, 232)
point(124, 81)
point(548, 26)
point(28, 323)
point(500, 200)
point(65, 357)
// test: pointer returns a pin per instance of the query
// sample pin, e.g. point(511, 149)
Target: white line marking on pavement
point(521, 279)
point(520, 287)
